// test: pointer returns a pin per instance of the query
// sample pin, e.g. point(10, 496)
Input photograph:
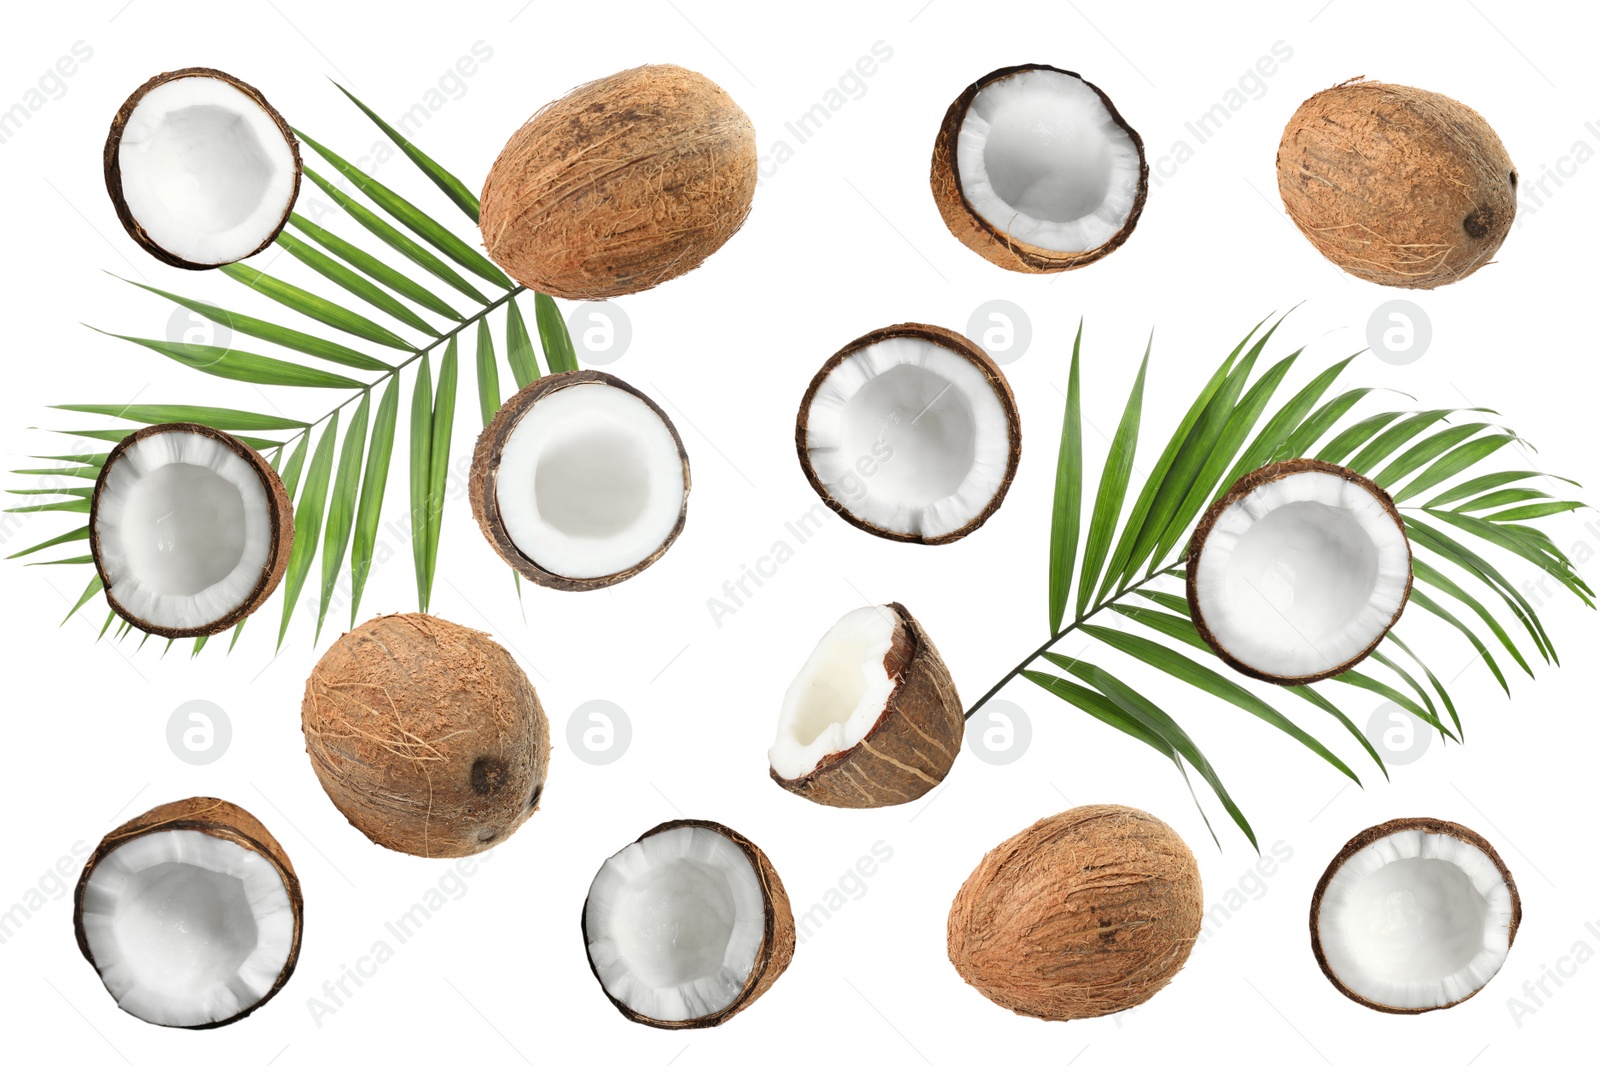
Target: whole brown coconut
point(1083, 914)
point(620, 185)
point(426, 735)
point(1397, 185)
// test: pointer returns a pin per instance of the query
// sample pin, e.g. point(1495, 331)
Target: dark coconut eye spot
point(1513, 179)
point(487, 835)
point(1476, 224)
point(488, 774)
point(533, 800)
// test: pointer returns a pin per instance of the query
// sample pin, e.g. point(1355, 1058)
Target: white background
point(843, 238)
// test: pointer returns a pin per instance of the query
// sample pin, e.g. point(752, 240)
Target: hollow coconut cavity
point(1082, 914)
point(872, 719)
point(1414, 915)
point(201, 169)
point(620, 185)
point(1035, 170)
point(580, 481)
point(687, 926)
point(1299, 571)
point(426, 735)
point(190, 529)
point(190, 913)
point(1396, 185)
point(910, 433)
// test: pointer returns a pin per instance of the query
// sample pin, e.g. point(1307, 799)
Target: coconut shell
point(620, 185)
point(280, 523)
point(1374, 834)
point(426, 735)
point(113, 165)
point(982, 236)
point(217, 818)
point(1397, 185)
point(911, 747)
point(777, 942)
point(1083, 914)
point(483, 484)
point(951, 341)
point(1244, 487)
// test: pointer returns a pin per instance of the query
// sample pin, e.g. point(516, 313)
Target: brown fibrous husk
point(280, 524)
point(112, 163)
point(1244, 487)
point(772, 957)
point(426, 735)
point(1373, 834)
point(954, 342)
point(217, 818)
point(1397, 185)
point(483, 485)
point(911, 747)
point(620, 185)
point(982, 236)
point(1083, 914)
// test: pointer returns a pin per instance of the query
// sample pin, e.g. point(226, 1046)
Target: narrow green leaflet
point(1316, 424)
point(260, 444)
point(488, 373)
point(553, 336)
point(1449, 548)
point(421, 472)
point(87, 473)
point(1508, 537)
point(342, 504)
point(1404, 675)
point(70, 536)
point(1535, 510)
point(1425, 451)
point(215, 417)
point(290, 474)
point(1386, 442)
point(1067, 511)
point(89, 593)
point(1282, 425)
point(447, 182)
point(1310, 694)
point(1353, 437)
point(86, 491)
point(1448, 466)
point(1428, 575)
point(1113, 488)
point(1444, 695)
point(235, 365)
point(414, 219)
point(1357, 679)
point(313, 306)
point(1500, 498)
point(519, 348)
point(373, 483)
point(1485, 482)
point(444, 417)
point(69, 506)
point(308, 512)
point(351, 282)
point(395, 239)
point(381, 272)
point(292, 339)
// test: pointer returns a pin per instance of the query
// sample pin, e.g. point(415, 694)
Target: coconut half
point(1414, 915)
point(201, 169)
point(1035, 170)
point(911, 433)
point(872, 719)
point(190, 529)
point(687, 926)
point(580, 481)
point(1299, 571)
point(190, 913)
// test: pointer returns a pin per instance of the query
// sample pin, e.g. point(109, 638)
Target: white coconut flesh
point(1044, 161)
point(1416, 920)
point(590, 481)
point(839, 694)
point(1302, 575)
point(205, 170)
point(909, 436)
point(187, 928)
point(675, 922)
point(184, 529)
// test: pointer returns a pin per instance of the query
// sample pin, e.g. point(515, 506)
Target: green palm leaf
point(342, 504)
point(313, 306)
point(308, 512)
point(519, 348)
point(447, 182)
point(1068, 509)
point(488, 373)
point(421, 474)
point(444, 417)
point(348, 279)
point(553, 337)
point(216, 417)
point(373, 482)
point(243, 366)
point(1113, 488)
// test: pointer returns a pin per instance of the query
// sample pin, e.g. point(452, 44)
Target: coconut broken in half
point(872, 719)
point(1299, 571)
point(580, 481)
point(1035, 170)
point(201, 169)
point(687, 926)
point(190, 913)
point(911, 433)
point(190, 529)
point(1414, 915)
